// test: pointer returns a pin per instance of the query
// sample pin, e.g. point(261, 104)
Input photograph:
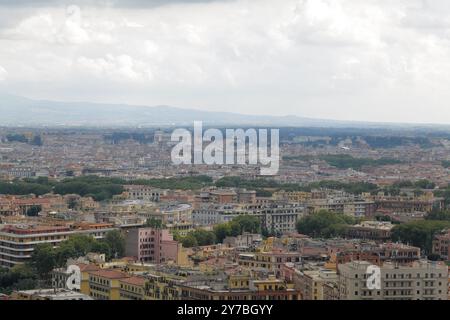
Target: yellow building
point(163, 287)
point(85, 269)
point(105, 284)
point(132, 288)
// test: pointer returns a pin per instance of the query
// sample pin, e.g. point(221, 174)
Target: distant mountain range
point(20, 111)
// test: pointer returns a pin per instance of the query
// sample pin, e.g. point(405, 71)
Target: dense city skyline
point(343, 60)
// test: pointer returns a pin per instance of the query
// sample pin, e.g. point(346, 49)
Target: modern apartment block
point(151, 245)
point(277, 217)
point(421, 280)
point(17, 242)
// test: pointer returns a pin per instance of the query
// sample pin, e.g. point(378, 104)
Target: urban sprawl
point(103, 214)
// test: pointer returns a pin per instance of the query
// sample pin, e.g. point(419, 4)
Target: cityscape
point(110, 204)
point(235, 151)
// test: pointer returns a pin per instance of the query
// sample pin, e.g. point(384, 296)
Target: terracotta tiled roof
point(137, 281)
point(110, 274)
point(87, 267)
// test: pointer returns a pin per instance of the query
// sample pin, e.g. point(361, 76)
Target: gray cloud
point(343, 59)
point(114, 3)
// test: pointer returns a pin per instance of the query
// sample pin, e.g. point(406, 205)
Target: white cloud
point(346, 59)
point(3, 73)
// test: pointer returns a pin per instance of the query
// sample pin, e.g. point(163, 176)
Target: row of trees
point(45, 258)
point(261, 184)
point(419, 233)
point(325, 224)
point(345, 161)
point(99, 188)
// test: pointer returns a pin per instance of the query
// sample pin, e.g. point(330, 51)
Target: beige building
point(421, 280)
point(312, 283)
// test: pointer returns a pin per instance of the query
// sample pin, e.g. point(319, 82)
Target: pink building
point(151, 245)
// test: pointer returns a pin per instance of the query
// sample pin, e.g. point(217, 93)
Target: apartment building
point(105, 284)
point(49, 294)
point(378, 254)
point(422, 280)
point(152, 245)
point(163, 286)
point(345, 204)
point(276, 217)
point(143, 192)
point(311, 283)
point(224, 196)
point(371, 230)
point(409, 204)
point(238, 288)
point(441, 245)
point(132, 288)
point(271, 261)
point(17, 242)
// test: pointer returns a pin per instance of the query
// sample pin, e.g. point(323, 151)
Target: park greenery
point(99, 188)
point(233, 228)
point(419, 233)
point(103, 188)
point(325, 224)
point(20, 277)
point(445, 164)
point(344, 161)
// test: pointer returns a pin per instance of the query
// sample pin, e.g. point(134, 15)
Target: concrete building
point(17, 242)
point(276, 217)
point(143, 192)
point(371, 230)
point(422, 280)
point(49, 294)
point(441, 245)
point(311, 283)
point(132, 288)
point(272, 261)
point(152, 245)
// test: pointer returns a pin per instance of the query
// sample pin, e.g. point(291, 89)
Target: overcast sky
point(377, 60)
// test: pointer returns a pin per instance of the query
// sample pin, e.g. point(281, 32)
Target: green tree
point(74, 247)
point(116, 242)
point(203, 237)
point(419, 233)
point(43, 260)
point(33, 211)
point(154, 223)
point(248, 223)
point(189, 241)
point(222, 231)
point(442, 215)
point(324, 224)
